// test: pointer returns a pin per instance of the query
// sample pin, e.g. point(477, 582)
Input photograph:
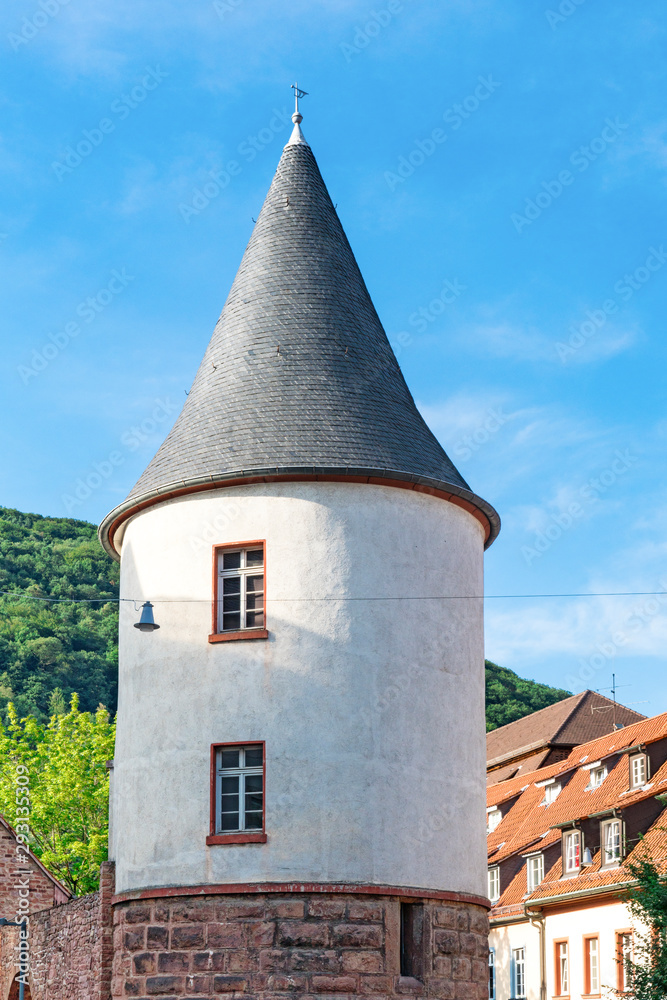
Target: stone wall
point(70, 948)
point(297, 944)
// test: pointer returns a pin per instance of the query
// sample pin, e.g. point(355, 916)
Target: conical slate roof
point(299, 378)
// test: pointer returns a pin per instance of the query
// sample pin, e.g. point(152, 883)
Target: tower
point(298, 788)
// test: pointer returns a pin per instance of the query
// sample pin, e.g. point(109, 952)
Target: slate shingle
point(299, 374)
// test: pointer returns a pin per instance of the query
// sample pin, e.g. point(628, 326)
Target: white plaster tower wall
point(371, 704)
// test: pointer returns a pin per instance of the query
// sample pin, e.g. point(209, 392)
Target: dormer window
point(551, 792)
point(638, 770)
point(598, 774)
point(612, 841)
point(535, 871)
point(572, 852)
point(494, 884)
point(493, 818)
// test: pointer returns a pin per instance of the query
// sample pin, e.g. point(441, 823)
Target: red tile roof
point(529, 822)
point(575, 720)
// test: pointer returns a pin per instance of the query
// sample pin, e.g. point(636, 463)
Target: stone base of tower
point(295, 944)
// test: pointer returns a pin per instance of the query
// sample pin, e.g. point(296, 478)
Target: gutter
point(537, 920)
point(600, 890)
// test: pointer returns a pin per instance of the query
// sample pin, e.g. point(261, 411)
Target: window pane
point(231, 585)
point(230, 803)
point(253, 821)
point(253, 803)
point(229, 758)
point(229, 822)
point(231, 603)
point(231, 560)
point(255, 557)
point(255, 619)
point(230, 784)
point(231, 622)
point(253, 757)
point(255, 584)
point(253, 783)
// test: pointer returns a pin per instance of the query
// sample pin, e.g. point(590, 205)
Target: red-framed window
point(624, 959)
point(591, 965)
point(562, 968)
point(239, 591)
point(238, 785)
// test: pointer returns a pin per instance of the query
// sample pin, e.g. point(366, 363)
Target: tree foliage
point(647, 902)
point(48, 646)
point(510, 697)
point(63, 767)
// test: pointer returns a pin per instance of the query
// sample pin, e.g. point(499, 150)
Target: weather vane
point(297, 94)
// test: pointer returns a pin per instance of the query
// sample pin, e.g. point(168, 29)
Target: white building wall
point(503, 941)
point(603, 920)
point(573, 925)
point(372, 711)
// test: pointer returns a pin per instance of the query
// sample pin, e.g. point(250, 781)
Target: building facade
point(559, 842)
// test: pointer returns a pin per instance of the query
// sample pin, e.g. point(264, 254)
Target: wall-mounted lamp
point(588, 856)
point(146, 623)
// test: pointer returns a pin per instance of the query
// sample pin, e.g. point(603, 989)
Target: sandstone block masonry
point(300, 944)
point(70, 949)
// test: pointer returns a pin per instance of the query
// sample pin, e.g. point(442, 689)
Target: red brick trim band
point(241, 888)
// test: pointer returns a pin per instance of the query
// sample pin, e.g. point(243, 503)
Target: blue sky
point(499, 167)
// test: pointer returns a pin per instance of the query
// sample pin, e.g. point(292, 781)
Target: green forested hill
point(47, 646)
point(510, 697)
point(50, 650)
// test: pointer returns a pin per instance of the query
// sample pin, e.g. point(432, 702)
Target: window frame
point(558, 979)
point(495, 812)
point(603, 849)
point(635, 757)
point(492, 974)
point(566, 835)
point(602, 770)
point(243, 633)
point(514, 977)
point(623, 981)
point(551, 787)
point(493, 868)
point(589, 991)
point(529, 882)
point(243, 836)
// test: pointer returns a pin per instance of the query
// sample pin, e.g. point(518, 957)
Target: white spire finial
point(297, 137)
